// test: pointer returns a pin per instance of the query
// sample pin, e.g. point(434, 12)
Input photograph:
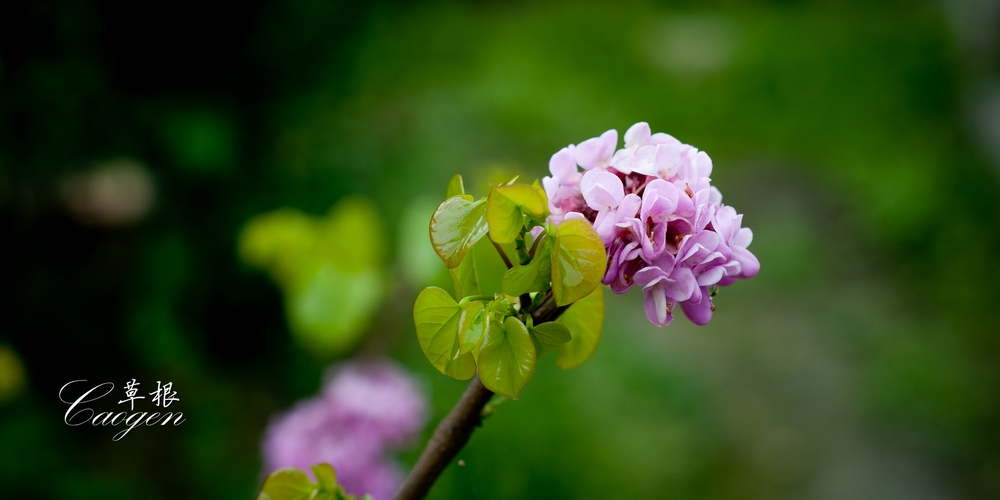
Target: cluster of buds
point(365, 410)
point(662, 222)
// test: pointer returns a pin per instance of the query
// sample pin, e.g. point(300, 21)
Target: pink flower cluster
point(662, 222)
point(363, 411)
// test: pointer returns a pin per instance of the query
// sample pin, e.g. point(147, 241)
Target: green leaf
point(471, 327)
point(502, 307)
point(325, 475)
point(507, 357)
point(465, 277)
point(533, 277)
point(456, 226)
point(455, 187)
point(545, 201)
point(584, 320)
point(437, 316)
point(578, 261)
point(506, 206)
point(548, 337)
point(287, 483)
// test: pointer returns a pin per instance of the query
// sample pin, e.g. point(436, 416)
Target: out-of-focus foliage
point(330, 269)
point(11, 374)
point(291, 483)
point(860, 363)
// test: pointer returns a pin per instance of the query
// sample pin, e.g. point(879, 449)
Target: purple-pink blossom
point(365, 410)
point(662, 222)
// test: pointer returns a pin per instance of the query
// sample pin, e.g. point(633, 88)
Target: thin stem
point(455, 430)
point(534, 245)
point(502, 254)
point(471, 298)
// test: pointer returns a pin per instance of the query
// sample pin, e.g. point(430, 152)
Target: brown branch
point(502, 254)
point(449, 438)
point(455, 430)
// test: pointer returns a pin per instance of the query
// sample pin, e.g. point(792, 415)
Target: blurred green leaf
point(288, 483)
point(578, 261)
point(280, 242)
point(456, 226)
point(507, 358)
point(548, 337)
point(505, 209)
point(291, 483)
point(12, 374)
point(532, 277)
point(330, 269)
point(584, 320)
point(325, 475)
point(437, 318)
point(332, 310)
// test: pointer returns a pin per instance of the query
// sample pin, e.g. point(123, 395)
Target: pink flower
point(597, 152)
point(662, 222)
point(363, 411)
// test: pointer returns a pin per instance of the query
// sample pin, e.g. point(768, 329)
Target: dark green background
point(862, 362)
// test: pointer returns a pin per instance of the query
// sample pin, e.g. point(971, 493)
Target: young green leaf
point(548, 337)
point(471, 327)
point(578, 261)
point(533, 277)
point(437, 316)
point(545, 200)
point(325, 475)
point(505, 207)
point(507, 357)
point(584, 320)
point(455, 187)
point(288, 483)
point(465, 277)
point(456, 226)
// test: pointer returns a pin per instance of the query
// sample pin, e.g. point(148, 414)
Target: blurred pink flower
point(365, 410)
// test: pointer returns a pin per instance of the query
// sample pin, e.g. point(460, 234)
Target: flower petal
point(656, 306)
point(637, 135)
point(668, 160)
point(601, 189)
point(563, 165)
point(699, 312)
point(597, 152)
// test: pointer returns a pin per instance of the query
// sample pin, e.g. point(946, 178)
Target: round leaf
point(455, 187)
point(584, 320)
point(533, 277)
point(456, 226)
point(471, 327)
point(505, 208)
point(287, 483)
point(578, 261)
point(325, 475)
point(437, 316)
point(548, 337)
point(507, 358)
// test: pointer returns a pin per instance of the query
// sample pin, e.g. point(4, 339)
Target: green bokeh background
point(862, 362)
